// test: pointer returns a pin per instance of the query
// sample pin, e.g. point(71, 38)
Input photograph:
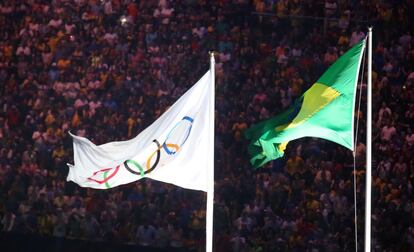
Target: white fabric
point(186, 168)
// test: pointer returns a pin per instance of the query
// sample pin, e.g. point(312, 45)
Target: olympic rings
point(169, 148)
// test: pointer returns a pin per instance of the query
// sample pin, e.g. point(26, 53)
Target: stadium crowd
point(107, 69)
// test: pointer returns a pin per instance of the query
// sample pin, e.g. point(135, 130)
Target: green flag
point(325, 110)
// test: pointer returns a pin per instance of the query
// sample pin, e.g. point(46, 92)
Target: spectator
point(107, 69)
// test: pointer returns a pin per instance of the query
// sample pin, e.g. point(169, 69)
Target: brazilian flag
point(325, 110)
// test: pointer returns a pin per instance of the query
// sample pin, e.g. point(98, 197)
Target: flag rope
point(354, 153)
point(368, 178)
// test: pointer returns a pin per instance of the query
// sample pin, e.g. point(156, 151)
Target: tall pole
point(369, 148)
point(210, 172)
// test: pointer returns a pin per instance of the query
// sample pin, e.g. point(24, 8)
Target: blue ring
point(164, 145)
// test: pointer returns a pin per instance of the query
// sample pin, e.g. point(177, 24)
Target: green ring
point(106, 183)
point(130, 161)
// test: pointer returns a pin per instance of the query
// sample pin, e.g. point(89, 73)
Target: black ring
point(153, 166)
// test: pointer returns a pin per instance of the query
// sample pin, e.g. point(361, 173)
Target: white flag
point(174, 149)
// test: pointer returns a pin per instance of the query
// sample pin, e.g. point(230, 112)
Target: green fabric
point(325, 110)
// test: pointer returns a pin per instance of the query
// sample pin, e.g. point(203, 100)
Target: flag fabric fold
point(325, 111)
point(174, 149)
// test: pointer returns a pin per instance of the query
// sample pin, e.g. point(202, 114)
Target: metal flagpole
point(210, 172)
point(369, 149)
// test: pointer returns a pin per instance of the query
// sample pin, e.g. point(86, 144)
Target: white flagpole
point(210, 172)
point(369, 149)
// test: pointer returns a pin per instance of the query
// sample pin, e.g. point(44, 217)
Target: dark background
point(107, 69)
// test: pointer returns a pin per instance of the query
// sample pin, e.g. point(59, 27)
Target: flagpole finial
point(212, 59)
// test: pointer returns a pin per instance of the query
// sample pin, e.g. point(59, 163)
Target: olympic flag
point(177, 148)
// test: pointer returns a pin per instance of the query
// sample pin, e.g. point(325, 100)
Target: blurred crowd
point(107, 69)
